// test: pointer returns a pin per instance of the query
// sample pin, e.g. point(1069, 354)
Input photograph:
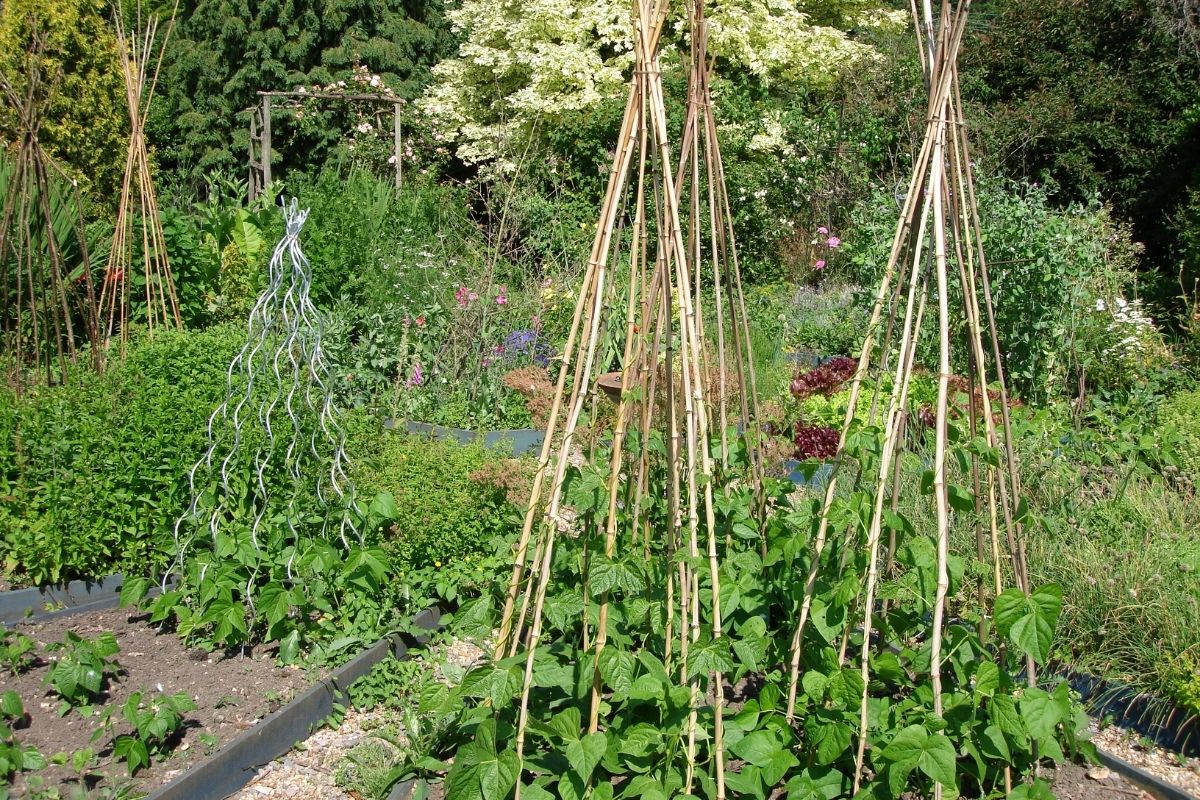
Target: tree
point(522, 65)
point(1097, 96)
point(225, 51)
point(84, 120)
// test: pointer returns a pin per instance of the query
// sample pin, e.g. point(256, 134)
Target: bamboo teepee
point(670, 268)
point(48, 306)
point(938, 230)
point(139, 227)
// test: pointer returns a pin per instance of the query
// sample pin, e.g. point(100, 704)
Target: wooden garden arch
point(260, 130)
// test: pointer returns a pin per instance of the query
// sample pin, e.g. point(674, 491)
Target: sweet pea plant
point(455, 357)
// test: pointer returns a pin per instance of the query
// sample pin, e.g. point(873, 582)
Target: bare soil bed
point(231, 692)
point(1075, 782)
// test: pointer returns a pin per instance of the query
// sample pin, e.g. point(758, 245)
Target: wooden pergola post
point(266, 140)
point(262, 166)
point(397, 142)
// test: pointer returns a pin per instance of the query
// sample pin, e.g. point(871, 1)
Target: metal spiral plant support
point(277, 381)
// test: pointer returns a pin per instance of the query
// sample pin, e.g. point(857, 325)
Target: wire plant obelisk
point(278, 413)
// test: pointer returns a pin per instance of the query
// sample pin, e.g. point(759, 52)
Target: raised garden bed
point(231, 693)
point(247, 709)
point(40, 602)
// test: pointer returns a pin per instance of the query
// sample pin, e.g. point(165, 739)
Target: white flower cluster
point(521, 64)
point(1131, 329)
point(775, 41)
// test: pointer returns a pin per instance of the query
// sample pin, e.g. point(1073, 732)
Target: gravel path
point(1183, 773)
point(311, 770)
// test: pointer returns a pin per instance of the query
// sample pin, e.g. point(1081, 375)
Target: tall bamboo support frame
point(664, 355)
point(49, 309)
point(938, 224)
point(138, 222)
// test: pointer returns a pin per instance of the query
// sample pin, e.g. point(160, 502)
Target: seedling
point(81, 674)
point(16, 650)
point(154, 722)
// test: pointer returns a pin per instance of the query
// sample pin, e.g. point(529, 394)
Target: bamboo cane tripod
point(938, 228)
point(670, 274)
point(47, 299)
point(138, 223)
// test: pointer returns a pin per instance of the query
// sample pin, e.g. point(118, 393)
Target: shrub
point(372, 245)
point(1182, 412)
point(1096, 95)
point(94, 474)
point(442, 513)
point(825, 322)
point(1048, 268)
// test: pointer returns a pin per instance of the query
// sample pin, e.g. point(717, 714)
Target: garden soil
point(1075, 782)
point(231, 691)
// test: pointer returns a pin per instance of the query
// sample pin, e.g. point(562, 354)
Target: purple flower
point(526, 342)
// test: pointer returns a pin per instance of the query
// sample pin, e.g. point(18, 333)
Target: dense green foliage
point(1182, 412)
point(991, 721)
point(94, 474)
point(441, 513)
point(225, 51)
point(1097, 96)
point(1116, 534)
point(81, 95)
point(1063, 283)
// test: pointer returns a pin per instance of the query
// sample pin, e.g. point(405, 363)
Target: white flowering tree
point(523, 64)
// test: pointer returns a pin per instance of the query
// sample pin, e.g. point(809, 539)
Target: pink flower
point(416, 378)
point(421, 321)
point(820, 264)
point(502, 297)
point(461, 296)
point(535, 322)
point(822, 230)
point(833, 242)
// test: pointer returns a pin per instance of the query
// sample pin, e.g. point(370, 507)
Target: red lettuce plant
point(825, 379)
point(815, 441)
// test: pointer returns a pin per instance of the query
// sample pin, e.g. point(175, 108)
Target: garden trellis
point(278, 413)
point(940, 205)
point(48, 307)
point(261, 129)
point(665, 389)
point(139, 226)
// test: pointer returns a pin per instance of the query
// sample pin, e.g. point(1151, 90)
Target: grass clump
point(1129, 566)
